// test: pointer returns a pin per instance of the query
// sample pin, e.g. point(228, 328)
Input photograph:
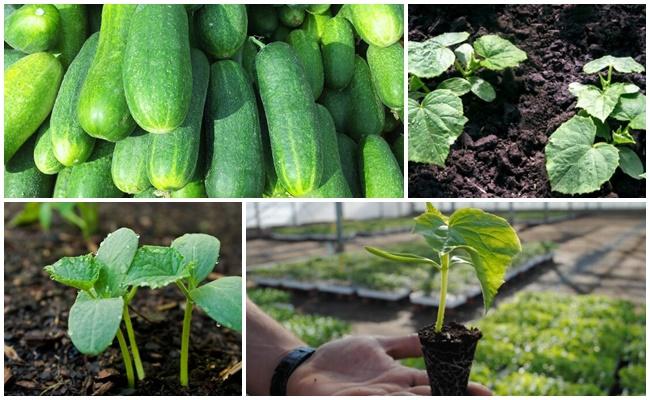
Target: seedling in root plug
point(188, 261)
point(102, 301)
point(469, 236)
point(438, 119)
point(584, 152)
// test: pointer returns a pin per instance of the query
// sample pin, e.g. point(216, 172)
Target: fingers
point(424, 390)
point(401, 346)
point(476, 389)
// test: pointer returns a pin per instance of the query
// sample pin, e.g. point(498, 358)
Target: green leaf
point(602, 130)
point(80, 272)
point(450, 38)
point(490, 242)
point(498, 53)
point(156, 266)
point(116, 252)
point(434, 125)
point(630, 163)
point(458, 86)
point(28, 215)
point(620, 64)
point(221, 300)
point(482, 88)
point(622, 136)
point(574, 163)
point(93, 323)
point(599, 103)
point(429, 59)
point(202, 249)
point(464, 54)
point(402, 257)
point(45, 216)
point(631, 107)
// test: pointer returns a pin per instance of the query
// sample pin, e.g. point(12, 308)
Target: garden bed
point(39, 356)
point(501, 152)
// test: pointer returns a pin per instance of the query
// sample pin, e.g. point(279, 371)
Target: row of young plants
point(581, 155)
point(108, 281)
point(361, 270)
point(215, 100)
point(313, 329)
point(544, 344)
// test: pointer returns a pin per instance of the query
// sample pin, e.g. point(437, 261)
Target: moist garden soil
point(39, 356)
point(501, 152)
point(448, 356)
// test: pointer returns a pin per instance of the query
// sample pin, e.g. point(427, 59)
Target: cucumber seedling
point(83, 215)
point(584, 152)
point(102, 301)
point(469, 236)
point(188, 261)
point(438, 119)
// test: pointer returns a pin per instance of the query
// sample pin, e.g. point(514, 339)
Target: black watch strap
point(286, 367)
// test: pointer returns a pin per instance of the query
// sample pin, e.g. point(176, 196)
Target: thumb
point(401, 346)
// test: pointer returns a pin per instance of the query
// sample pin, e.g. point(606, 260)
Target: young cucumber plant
point(437, 120)
point(103, 298)
point(188, 261)
point(584, 152)
point(469, 236)
point(84, 215)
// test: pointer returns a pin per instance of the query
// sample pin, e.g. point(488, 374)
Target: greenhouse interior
point(568, 319)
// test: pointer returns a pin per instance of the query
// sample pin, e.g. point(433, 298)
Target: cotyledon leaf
point(482, 88)
point(156, 266)
point(498, 53)
point(464, 54)
point(620, 64)
point(459, 86)
point(201, 248)
point(574, 163)
point(80, 272)
point(631, 107)
point(221, 300)
point(116, 252)
point(93, 323)
point(434, 125)
point(600, 103)
point(630, 162)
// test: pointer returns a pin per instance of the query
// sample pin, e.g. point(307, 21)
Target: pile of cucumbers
point(211, 100)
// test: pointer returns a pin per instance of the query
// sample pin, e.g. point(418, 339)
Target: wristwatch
point(285, 368)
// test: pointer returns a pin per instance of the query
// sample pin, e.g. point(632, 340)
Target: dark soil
point(501, 152)
point(39, 356)
point(448, 355)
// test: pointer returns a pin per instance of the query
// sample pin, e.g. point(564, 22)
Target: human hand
point(365, 365)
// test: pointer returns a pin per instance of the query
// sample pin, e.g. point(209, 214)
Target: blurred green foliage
point(84, 216)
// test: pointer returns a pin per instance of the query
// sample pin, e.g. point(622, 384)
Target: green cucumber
point(33, 28)
point(74, 31)
point(281, 34)
point(129, 164)
point(246, 57)
point(71, 144)
point(93, 178)
point(338, 53)
point(43, 151)
point(349, 154)
point(390, 121)
point(291, 117)
point(398, 151)
point(61, 184)
point(367, 110)
point(333, 183)
point(221, 28)
point(272, 188)
point(378, 24)
point(338, 103)
point(157, 73)
point(308, 51)
point(291, 16)
point(380, 172)
point(236, 164)
point(173, 156)
point(318, 8)
point(315, 24)
point(149, 193)
point(22, 177)
point(193, 190)
point(387, 69)
point(31, 84)
point(102, 109)
point(12, 55)
point(262, 20)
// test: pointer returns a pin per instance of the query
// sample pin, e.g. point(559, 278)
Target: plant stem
point(134, 346)
point(444, 270)
point(126, 357)
point(257, 42)
point(185, 341)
